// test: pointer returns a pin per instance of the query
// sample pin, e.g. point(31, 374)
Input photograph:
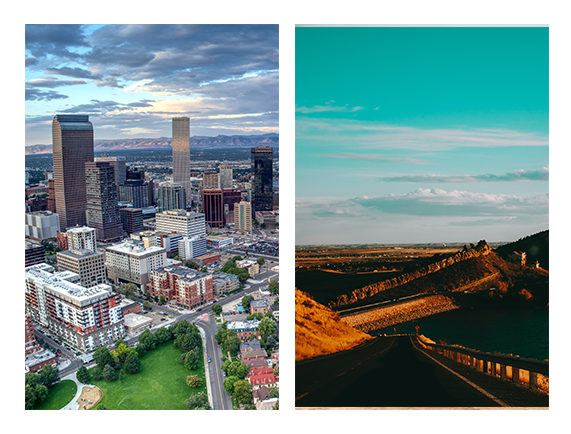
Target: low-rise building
point(37, 360)
point(203, 260)
point(186, 287)
point(192, 247)
point(252, 266)
point(130, 261)
point(219, 242)
point(258, 306)
point(135, 323)
point(42, 225)
point(223, 283)
point(245, 329)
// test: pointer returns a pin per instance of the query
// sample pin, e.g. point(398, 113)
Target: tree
point(41, 392)
point(182, 327)
point(163, 335)
point(188, 342)
point(192, 359)
point(132, 364)
point(204, 270)
point(235, 368)
point(141, 350)
point(267, 327)
point(198, 401)
point(162, 299)
point(231, 343)
point(191, 264)
point(270, 342)
point(193, 381)
point(274, 392)
point(243, 391)
point(274, 287)
point(83, 375)
point(243, 277)
point(217, 309)
point(129, 290)
point(148, 340)
point(109, 373)
point(221, 333)
point(147, 305)
point(49, 376)
point(122, 375)
point(261, 260)
point(229, 384)
point(246, 301)
point(102, 356)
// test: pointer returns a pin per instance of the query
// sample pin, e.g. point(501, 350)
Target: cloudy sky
point(132, 79)
point(421, 134)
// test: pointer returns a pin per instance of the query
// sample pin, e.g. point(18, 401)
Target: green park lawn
point(160, 385)
point(58, 396)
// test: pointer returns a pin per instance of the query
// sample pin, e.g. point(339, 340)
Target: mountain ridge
point(206, 142)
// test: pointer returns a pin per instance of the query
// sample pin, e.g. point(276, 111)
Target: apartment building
point(84, 318)
point(90, 266)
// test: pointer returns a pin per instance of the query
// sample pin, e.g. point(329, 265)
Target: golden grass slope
point(319, 330)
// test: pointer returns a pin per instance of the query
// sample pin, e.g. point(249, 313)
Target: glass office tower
point(72, 138)
point(181, 153)
point(261, 181)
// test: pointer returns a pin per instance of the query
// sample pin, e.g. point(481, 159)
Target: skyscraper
point(72, 138)
point(102, 209)
point(225, 175)
point(181, 153)
point(262, 183)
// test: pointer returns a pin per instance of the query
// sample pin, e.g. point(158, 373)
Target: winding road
point(393, 372)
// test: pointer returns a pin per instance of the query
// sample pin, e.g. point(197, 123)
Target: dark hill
point(535, 246)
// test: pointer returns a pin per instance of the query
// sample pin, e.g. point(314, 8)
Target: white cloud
point(437, 202)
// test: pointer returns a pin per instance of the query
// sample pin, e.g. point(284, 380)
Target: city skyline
point(421, 134)
point(133, 79)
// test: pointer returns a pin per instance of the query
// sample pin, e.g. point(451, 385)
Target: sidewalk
point(73, 405)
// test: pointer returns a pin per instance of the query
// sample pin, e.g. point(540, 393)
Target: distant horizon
point(166, 137)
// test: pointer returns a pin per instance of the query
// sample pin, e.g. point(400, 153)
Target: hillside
point(473, 272)
point(320, 331)
point(437, 264)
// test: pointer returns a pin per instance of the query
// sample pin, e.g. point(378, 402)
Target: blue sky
point(132, 79)
point(427, 134)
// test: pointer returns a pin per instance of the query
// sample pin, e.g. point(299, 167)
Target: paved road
point(391, 372)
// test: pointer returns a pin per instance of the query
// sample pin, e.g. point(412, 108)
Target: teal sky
point(421, 134)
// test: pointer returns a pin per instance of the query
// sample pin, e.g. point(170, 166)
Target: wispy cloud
point(329, 107)
point(517, 175)
point(373, 135)
point(373, 157)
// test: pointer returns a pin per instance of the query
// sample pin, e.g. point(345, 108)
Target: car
point(209, 360)
point(162, 319)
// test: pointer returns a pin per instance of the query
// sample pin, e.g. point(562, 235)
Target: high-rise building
point(34, 253)
point(131, 219)
point(72, 138)
point(213, 207)
point(230, 198)
point(210, 180)
point(90, 266)
point(81, 238)
point(243, 217)
point(102, 209)
point(189, 248)
point(226, 178)
point(181, 153)
point(261, 178)
point(51, 197)
point(119, 167)
point(170, 196)
point(42, 225)
point(189, 288)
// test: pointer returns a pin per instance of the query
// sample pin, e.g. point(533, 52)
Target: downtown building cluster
point(99, 199)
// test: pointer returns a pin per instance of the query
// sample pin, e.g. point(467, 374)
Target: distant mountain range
point(271, 139)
